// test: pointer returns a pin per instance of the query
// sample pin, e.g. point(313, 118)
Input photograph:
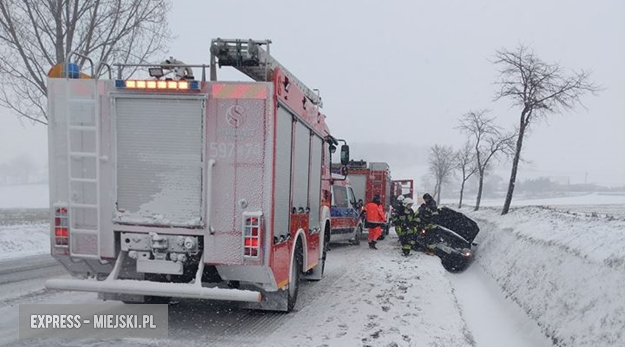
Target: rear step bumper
point(112, 284)
point(137, 287)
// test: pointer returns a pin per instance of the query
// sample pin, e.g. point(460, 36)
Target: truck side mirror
point(345, 154)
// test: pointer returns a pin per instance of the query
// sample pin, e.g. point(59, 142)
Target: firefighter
point(374, 220)
point(398, 207)
point(398, 210)
point(427, 214)
point(385, 225)
point(406, 223)
point(428, 207)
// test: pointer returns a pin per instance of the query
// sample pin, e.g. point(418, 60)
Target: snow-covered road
point(538, 271)
point(368, 298)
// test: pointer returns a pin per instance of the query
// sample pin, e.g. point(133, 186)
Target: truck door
point(339, 210)
point(344, 212)
point(354, 208)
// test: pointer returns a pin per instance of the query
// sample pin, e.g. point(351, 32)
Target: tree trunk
point(461, 194)
point(479, 191)
point(438, 195)
point(515, 166)
point(58, 34)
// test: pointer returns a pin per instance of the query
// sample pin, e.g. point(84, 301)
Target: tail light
point(252, 235)
point(61, 231)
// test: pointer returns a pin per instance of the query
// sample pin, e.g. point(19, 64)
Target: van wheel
point(357, 236)
point(295, 276)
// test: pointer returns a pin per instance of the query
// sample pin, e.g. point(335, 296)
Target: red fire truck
point(172, 186)
point(370, 179)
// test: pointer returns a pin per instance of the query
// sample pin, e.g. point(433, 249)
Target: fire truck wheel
point(326, 248)
point(295, 276)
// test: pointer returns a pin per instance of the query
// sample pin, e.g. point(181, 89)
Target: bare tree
point(464, 160)
point(425, 185)
point(539, 89)
point(35, 35)
point(441, 166)
point(488, 143)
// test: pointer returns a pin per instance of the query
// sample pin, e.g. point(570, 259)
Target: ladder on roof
point(251, 59)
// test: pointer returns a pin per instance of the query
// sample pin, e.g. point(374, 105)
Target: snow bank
point(564, 269)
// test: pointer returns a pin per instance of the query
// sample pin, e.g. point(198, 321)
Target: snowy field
point(560, 262)
point(601, 204)
point(24, 225)
point(24, 196)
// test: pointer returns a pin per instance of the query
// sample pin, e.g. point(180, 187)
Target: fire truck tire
point(296, 270)
point(326, 248)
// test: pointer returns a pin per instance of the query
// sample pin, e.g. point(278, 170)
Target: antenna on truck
point(251, 59)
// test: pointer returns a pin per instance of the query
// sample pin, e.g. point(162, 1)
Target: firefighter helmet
point(408, 201)
point(400, 198)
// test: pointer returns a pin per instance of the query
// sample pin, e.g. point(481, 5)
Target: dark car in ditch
point(451, 239)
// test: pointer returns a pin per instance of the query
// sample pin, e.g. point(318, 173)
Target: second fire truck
point(369, 179)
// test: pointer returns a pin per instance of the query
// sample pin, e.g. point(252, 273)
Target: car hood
point(457, 222)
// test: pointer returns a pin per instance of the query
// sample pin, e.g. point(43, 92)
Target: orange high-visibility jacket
point(375, 212)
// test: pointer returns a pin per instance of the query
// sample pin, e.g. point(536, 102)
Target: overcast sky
point(403, 72)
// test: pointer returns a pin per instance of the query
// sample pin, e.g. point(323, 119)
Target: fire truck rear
point(170, 186)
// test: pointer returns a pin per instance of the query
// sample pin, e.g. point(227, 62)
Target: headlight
point(466, 253)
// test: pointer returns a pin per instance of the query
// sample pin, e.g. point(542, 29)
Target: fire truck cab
point(171, 186)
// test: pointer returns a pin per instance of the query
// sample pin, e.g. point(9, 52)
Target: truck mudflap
point(193, 290)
